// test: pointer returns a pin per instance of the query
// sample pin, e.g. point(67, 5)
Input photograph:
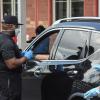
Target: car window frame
point(76, 28)
point(41, 35)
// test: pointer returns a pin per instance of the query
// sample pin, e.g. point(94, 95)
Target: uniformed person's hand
point(28, 54)
point(23, 53)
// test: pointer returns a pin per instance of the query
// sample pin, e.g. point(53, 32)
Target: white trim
point(21, 39)
point(68, 11)
point(54, 6)
point(68, 8)
point(77, 0)
point(98, 7)
point(13, 7)
point(1, 11)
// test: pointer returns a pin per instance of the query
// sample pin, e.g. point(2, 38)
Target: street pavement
point(31, 87)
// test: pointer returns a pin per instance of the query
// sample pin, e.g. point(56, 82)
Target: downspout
point(49, 12)
point(36, 13)
point(96, 7)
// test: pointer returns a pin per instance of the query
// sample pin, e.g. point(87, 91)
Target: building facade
point(44, 12)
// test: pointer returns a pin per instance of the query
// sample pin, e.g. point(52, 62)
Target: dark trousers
point(56, 86)
point(10, 86)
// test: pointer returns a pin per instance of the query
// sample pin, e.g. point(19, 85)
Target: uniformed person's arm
point(14, 62)
point(41, 57)
point(9, 56)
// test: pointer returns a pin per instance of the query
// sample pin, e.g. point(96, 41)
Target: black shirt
point(8, 50)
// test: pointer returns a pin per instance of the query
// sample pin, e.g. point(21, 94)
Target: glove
point(91, 93)
point(23, 53)
point(96, 66)
point(28, 54)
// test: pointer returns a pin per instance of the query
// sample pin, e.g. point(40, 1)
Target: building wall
point(90, 7)
point(37, 12)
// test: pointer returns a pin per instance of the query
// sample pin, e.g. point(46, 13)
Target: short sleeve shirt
point(8, 50)
point(43, 47)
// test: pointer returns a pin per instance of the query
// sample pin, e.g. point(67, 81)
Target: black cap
point(11, 20)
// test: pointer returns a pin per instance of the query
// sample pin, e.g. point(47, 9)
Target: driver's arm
point(41, 57)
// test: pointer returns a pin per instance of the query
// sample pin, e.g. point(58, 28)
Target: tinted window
point(45, 43)
point(73, 45)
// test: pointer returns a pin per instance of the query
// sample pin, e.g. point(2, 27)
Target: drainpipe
point(36, 13)
point(96, 8)
point(49, 12)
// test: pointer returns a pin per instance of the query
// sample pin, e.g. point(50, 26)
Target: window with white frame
point(9, 7)
point(68, 8)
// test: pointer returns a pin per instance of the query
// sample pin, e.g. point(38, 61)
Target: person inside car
point(11, 61)
point(42, 51)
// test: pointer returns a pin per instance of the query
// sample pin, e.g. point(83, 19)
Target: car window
point(73, 45)
point(45, 43)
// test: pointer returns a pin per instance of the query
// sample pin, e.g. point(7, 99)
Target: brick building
point(35, 12)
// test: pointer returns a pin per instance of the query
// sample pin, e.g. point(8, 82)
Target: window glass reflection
point(61, 6)
point(6, 7)
point(68, 8)
point(73, 45)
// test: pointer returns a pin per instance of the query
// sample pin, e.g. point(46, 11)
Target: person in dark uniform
point(11, 61)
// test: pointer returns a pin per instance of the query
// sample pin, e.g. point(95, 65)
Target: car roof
point(82, 22)
point(88, 25)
